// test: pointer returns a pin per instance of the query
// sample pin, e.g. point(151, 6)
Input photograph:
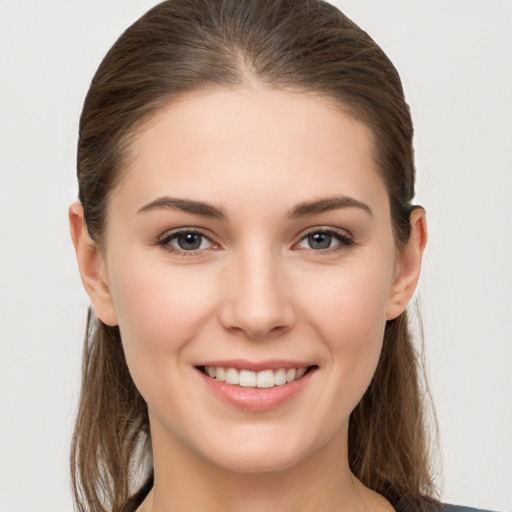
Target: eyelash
point(344, 241)
point(165, 241)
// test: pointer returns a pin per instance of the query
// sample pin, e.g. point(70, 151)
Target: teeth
point(291, 374)
point(232, 376)
point(221, 374)
point(300, 373)
point(249, 379)
point(265, 379)
point(280, 377)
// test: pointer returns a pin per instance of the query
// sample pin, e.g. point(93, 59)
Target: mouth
point(264, 379)
point(256, 387)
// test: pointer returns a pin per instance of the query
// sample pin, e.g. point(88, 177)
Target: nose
point(256, 297)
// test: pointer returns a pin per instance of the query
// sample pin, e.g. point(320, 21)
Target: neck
point(186, 482)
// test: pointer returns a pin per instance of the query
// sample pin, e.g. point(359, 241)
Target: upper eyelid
point(177, 231)
point(325, 229)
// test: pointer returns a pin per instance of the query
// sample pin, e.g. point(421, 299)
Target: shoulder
point(459, 508)
point(434, 506)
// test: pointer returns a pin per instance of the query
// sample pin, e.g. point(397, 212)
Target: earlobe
point(91, 265)
point(409, 265)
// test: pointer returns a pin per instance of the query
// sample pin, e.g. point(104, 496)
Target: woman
point(246, 235)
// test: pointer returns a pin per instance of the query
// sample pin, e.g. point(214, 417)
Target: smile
point(256, 386)
point(251, 379)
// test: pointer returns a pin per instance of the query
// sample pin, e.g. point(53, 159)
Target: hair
point(182, 46)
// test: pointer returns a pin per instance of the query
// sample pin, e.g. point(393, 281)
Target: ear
point(91, 265)
point(408, 265)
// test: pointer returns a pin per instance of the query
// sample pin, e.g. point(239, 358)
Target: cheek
point(159, 310)
point(352, 304)
point(348, 312)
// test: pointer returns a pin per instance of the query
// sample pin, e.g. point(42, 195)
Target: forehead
point(264, 145)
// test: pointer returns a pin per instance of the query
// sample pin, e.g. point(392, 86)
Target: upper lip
point(256, 366)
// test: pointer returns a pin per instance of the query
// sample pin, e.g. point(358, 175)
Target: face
point(251, 268)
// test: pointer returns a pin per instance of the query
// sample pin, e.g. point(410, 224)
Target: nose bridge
point(256, 300)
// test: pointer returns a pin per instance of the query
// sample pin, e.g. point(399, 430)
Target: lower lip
point(257, 399)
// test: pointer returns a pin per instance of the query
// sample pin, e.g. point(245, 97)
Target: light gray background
point(454, 57)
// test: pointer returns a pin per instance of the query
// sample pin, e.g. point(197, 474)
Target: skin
point(255, 290)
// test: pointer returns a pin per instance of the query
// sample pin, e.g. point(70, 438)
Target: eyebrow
point(326, 204)
point(185, 205)
point(205, 209)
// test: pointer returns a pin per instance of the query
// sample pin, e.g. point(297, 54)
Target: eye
point(323, 240)
point(186, 240)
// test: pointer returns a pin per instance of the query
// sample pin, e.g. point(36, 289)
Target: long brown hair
point(298, 45)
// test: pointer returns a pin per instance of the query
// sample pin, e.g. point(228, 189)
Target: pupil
point(320, 240)
point(189, 241)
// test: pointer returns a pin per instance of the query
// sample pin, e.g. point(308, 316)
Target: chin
point(257, 463)
point(262, 454)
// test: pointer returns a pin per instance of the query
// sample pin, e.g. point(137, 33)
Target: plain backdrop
point(454, 57)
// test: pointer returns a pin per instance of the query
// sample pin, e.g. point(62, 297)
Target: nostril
point(257, 330)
